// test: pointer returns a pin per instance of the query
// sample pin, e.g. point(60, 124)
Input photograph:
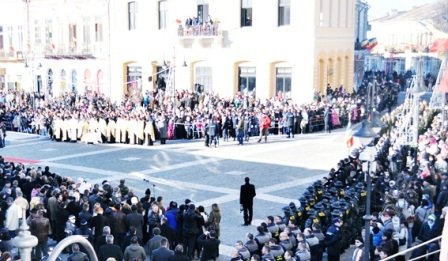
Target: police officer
point(332, 238)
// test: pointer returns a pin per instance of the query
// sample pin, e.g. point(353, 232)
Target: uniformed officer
point(332, 238)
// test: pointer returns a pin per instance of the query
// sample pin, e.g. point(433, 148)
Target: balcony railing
point(199, 31)
point(85, 51)
point(10, 55)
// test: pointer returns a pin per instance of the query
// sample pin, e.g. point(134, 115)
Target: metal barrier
point(412, 249)
point(72, 240)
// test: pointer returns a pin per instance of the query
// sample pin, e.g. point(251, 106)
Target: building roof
point(427, 11)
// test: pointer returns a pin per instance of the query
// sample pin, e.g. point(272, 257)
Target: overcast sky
point(379, 8)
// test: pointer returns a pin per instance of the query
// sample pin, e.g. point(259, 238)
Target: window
point(37, 35)
point(246, 13)
point(48, 33)
point(246, 79)
point(134, 78)
point(132, 15)
point(284, 12)
point(86, 32)
point(72, 36)
point(202, 11)
point(74, 84)
point(62, 82)
point(98, 32)
point(50, 82)
point(283, 81)
point(10, 33)
point(203, 79)
point(1, 38)
point(20, 35)
point(163, 12)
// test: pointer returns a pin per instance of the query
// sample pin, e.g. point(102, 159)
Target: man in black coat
point(110, 250)
point(163, 252)
point(247, 194)
point(210, 246)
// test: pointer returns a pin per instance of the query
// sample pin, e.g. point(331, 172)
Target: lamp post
point(368, 156)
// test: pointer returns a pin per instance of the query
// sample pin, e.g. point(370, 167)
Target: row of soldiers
point(341, 196)
point(134, 129)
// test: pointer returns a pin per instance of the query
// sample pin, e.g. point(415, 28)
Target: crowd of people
point(93, 118)
point(409, 187)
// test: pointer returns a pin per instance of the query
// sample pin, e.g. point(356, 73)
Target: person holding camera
point(210, 245)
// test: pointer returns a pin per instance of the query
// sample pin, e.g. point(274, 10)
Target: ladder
point(408, 119)
point(438, 98)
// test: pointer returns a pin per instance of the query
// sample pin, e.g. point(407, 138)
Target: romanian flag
point(349, 136)
point(371, 44)
point(439, 45)
point(443, 85)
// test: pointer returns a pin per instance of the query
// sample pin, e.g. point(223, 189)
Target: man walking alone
point(247, 194)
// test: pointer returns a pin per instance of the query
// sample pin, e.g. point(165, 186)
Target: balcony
point(204, 35)
point(83, 52)
point(10, 55)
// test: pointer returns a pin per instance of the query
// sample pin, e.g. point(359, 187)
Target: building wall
point(11, 44)
point(319, 34)
point(316, 47)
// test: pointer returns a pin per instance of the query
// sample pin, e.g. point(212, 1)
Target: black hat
point(147, 191)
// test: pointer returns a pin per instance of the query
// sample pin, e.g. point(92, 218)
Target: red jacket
point(265, 122)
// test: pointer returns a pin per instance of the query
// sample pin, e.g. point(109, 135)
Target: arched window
point(50, 82)
point(247, 78)
point(63, 85)
point(74, 83)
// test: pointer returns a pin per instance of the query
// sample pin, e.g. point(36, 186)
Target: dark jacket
point(153, 244)
point(190, 221)
point(178, 257)
point(210, 248)
point(332, 238)
point(247, 194)
point(134, 252)
point(110, 250)
point(161, 254)
point(78, 256)
point(136, 220)
point(40, 227)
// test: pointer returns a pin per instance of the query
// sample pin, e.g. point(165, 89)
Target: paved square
point(280, 169)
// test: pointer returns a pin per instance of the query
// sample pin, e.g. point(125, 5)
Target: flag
point(349, 136)
point(439, 45)
point(443, 85)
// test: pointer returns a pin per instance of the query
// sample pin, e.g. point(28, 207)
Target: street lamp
point(368, 156)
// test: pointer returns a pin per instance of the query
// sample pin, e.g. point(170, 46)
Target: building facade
point(267, 47)
point(404, 37)
point(11, 44)
point(125, 47)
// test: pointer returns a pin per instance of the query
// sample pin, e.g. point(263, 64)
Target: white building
point(70, 48)
point(12, 21)
point(404, 36)
point(270, 46)
point(362, 25)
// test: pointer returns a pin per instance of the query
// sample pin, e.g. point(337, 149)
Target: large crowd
point(93, 118)
point(409, 188)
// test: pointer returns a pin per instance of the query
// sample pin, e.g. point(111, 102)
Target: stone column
point(24, 241)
